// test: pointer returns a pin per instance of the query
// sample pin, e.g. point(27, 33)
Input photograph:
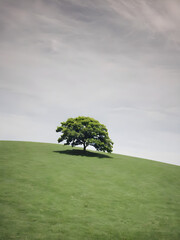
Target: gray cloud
point(157, 17)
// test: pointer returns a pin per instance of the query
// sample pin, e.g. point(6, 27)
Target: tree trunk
point(84, 147)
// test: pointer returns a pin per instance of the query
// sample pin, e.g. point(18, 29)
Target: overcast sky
point(117, 61)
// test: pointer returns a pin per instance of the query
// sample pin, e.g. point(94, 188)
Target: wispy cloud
point(157, 17)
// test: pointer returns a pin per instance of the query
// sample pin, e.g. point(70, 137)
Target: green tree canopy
point(85, 131)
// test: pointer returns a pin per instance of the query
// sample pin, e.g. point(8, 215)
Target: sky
point(117, 61)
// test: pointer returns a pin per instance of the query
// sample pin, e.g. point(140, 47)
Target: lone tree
point(85, 131)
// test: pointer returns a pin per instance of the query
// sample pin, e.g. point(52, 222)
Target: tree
point(85, 131)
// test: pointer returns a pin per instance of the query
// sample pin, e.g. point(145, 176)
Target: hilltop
point(54, 192)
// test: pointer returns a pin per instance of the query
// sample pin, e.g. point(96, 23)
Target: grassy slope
point(46, 194)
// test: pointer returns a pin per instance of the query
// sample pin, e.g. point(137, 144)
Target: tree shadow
point(77, 152)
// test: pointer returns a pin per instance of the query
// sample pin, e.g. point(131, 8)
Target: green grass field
point(52, 192)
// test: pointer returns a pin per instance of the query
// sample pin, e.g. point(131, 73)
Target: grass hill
point(52, 192)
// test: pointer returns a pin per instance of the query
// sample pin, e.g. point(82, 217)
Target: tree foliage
point(85, 131)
